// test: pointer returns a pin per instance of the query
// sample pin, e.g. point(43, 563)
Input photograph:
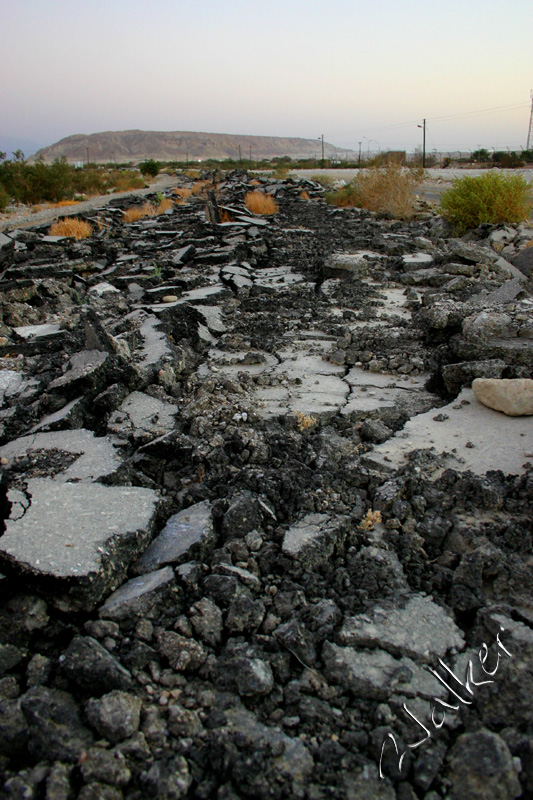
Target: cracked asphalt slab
point(250, 497)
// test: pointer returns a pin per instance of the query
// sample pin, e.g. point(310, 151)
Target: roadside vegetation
point(389, 191)
point(36, 183)
point(492, 198)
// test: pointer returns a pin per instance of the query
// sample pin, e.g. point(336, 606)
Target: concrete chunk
point(96, 456)
point(142, 417)
point(312, 540)
point(81, 535)
point(471, 436)
point(376, 674)
point(138, 596)
point(421, 629)
point(188, 534)
point(86, 367)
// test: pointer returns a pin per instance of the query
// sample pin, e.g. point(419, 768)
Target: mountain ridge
point(138, 145)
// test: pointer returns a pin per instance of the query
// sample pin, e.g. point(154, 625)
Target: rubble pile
point(254, 515)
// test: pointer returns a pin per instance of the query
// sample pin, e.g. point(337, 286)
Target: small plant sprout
point(304, 421)
point(370, 519)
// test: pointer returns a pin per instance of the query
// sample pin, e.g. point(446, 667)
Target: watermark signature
point(439, 705)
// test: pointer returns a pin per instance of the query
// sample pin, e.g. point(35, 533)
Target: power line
point(512, 107)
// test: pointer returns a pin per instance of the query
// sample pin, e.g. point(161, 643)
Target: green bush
point(491, 198)
point(150, 167)
point(4, 198)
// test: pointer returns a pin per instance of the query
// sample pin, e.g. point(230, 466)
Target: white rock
point(513, 396)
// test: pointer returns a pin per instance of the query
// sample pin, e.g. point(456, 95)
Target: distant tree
point(481, 155)
point(506, 159)
point(150, 167)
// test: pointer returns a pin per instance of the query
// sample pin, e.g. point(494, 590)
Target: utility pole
point(423, 143)
point(530, 131)
point(88, 161)
point(240, 154)
point(250, 153)
point(359, 161)
point(322, 162)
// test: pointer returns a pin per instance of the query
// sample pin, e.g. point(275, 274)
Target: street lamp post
point(423, 143)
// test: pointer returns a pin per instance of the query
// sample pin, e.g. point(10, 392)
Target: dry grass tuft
point(61, 204)
point(305, 195)
point(201, 187)
point(164, 205)
point(255, 183)
point(260, 203)
point(389, 191)
point(183, 191)
point(226, 216)
point(136, 213)
point(70, 226)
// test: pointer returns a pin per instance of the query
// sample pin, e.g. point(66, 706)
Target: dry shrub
point(70, 226)
point(389, 191)
point(260, 203)
point(226, 216)
point(192, 173)
point(122, 181)
point(305, 195)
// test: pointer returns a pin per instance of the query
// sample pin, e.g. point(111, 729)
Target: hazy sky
point(354, 70)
